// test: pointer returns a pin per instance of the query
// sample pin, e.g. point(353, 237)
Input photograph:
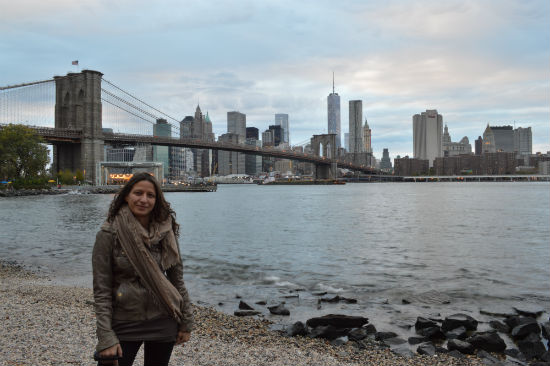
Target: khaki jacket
point(118, 293)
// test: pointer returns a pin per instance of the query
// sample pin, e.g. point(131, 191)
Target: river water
point(444, 247)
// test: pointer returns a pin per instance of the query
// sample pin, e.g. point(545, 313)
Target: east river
point(443, 247)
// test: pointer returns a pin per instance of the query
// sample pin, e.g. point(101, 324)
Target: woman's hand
point(182, 337)
point(115, 350)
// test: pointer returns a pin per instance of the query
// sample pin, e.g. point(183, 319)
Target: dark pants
point(155, 353)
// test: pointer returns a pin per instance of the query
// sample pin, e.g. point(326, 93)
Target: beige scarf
point(135, 240)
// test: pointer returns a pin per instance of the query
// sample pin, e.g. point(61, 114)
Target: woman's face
point(141, 199)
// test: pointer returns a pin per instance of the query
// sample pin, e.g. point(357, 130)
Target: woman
point(139, 293)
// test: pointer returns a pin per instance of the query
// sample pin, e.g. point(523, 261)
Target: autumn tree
point(22, 153)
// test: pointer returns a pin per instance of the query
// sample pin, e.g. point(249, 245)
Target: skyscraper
point(281, 119)
point(428, 135)
point(523, 141)
point(333, 106)
point(385, 162)
point(236, 123)
point(162, 153)
point(355, 126)
point(367, 137)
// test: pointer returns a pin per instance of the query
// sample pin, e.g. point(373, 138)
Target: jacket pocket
point(129, 301)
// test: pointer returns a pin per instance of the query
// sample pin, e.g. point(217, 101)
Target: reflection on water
point(473, 244)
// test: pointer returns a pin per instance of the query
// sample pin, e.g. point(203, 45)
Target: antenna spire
point(333, 82)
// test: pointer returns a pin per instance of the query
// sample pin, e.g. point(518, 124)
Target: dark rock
point(531, 346)
point(499, 326)
point(512, 321)
point(461, 346)
point(297, 329)
point(422, 323)
point(530, 311)
point(237, 296)
point(417, 340)
point(327, 332)
point(337, 298)
point(488, 358)
point(432, 333)
point(427, 349)
point(370, 328)
point(487, 341)
point(545, 356)
point(512, 352)
point(540, 363)
point(458, 333)
point(338, 321)
point(546, 330)
point(394, 341)
point(512, 361)
point(261, 302)
point(292, 296)
point(340, 341)
point(459, 320)
point(357, 334)
point(244, 306)
point(278, 310)
point(220, 304)
point(525, 328)
point(456, 354)
point(380, 336)
point(405, 301)
point(246, 312)
point(319, 293)
point(439, 349)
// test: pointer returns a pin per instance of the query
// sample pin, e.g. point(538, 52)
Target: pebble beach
point(48, 324)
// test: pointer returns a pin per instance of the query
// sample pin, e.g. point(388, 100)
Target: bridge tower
point(78, 107)
point(325, 145)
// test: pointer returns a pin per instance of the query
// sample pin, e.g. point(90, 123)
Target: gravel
point(46, 324)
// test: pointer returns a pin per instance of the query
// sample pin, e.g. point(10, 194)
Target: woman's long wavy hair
point(161, 211)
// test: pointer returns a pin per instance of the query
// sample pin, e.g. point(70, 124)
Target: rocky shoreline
point(46, 324)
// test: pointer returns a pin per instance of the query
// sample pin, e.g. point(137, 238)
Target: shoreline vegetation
point(46, 324)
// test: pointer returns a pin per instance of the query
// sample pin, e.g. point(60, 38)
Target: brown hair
point(161, 211)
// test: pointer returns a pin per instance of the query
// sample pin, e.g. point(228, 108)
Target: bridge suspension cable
point(24, 84)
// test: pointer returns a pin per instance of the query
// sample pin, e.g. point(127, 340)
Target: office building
point(455, 148)
point(236, 123)
point(367, 138)
point(277, 134)
point(523, 141)
point(385, 162)
point(268, 138)
point(346, 141)
point(333, 113)
point(355, 126)
point(230, 162)
point(162, 153)
point(479, 145)
point(252, 133)
point(409, 167)
point(428, 136)
point(281, 119)
point(498, 139)
point(253, 163)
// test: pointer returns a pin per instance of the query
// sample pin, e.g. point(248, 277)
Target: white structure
point(333, 109)
point(355, 126)
point(455, 148)
point(428, 135)
point(281, 119)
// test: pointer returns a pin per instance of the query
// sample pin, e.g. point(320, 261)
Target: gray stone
point(402, 350)
point(545, 356)
point(278, 310)
point(461, 346)
point(297, 329)
point(357, 334)
point(546, 330)
point(502, 311)
point(456, 354)
point(427, 349)
point(246, 312)
point(432, 333)
point(244, 306)
point(488, 341)
point(417, 340)
point(488, 359)
point(458, 333)
point(338, 321)
point(340, 341)
point(532, 311)
point(394, 341)
point(499, 326)
point(457, 320)
point(380, 336)
point(327, 332)
point(370, 328)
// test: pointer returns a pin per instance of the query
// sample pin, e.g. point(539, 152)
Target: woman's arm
point(103, 292)
point(175, 276)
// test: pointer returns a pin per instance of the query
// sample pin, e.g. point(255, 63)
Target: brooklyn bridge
point(83, 101)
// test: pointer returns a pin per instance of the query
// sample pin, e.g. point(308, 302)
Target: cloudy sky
point(475, 61)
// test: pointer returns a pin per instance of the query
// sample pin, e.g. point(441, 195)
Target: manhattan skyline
point(476, 62)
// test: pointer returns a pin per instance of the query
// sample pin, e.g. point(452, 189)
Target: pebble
point(43, 324)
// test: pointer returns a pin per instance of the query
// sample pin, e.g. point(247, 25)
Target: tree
point(22, 153)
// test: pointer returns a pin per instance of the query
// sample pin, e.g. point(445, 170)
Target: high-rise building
point(385, 162)
point(355, 126)
point(333, 109)
point(253, 163)
point(479, 145)
point(268, 138)
point(236, 123)
point(346, 141)
point(252, 133)
point(281, 119)
point(277, 134)
point(367, 138)
point(428, 135)
point(230, 162)
point(498, 139)
point(455, 148)
point(162, 153)
point(523, 141)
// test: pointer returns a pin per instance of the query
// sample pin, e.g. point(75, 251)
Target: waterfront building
point(523, 141)
point(409, 167)
point(277, 134)
point(385, 162)
point(346, 141)
point(268, 138)
point(236, 123)
point(162, 153)
point(455, 148)
point(253, 163)
point(479, 145)
point(230, 162)
point(428, 135)
point(367, 138)
point(281, 119)
point(252, 133)
point(498, 139)
point(355, 126)
point(119, 153)
point(333, 113)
